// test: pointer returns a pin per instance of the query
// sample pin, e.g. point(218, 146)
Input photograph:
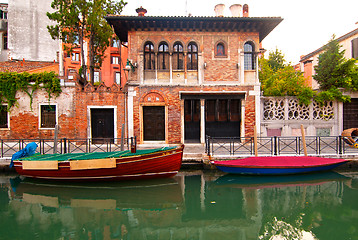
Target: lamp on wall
point(129, 66)
point(204, 65)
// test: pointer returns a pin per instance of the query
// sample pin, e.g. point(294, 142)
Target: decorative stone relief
point(274, 109)
point(297, 111)
point(323, 112)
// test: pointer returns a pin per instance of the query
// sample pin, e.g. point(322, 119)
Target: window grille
point(48, 116)
point(249, 56)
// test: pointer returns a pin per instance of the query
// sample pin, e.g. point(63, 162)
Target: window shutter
point(355, 48)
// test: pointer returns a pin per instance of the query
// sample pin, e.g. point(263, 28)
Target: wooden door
point(350, 114)
point(153, 123)
point(102, 124)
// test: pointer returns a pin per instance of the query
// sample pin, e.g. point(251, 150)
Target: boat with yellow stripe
point(95, 166)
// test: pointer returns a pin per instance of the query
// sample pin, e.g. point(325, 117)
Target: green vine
point(11, 83)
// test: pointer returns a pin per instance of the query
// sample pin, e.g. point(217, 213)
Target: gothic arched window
point(178, 56)
point(192, 57)
point(249, 56)
point(163, 56)
point(149, 61)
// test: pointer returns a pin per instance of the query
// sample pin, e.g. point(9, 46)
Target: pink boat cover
point(280, 161)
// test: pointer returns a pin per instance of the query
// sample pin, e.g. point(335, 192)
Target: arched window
point(149, 60)
point(163, 56)
point(220, 50)
point(249, 56)
point(178, 56)
point(192, 57)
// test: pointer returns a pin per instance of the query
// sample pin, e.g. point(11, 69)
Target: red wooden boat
point(278, 165)
point(122, 165)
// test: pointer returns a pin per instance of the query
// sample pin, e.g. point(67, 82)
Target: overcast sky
point(306, 26)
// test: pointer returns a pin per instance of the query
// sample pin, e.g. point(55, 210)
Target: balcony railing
point(270, 146)
point(47, 146)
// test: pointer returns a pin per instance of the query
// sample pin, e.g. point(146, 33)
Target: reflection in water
point(193, 205)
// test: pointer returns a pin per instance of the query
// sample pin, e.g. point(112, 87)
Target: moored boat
point(121, 165)
point(350, 136)
point(278, 165)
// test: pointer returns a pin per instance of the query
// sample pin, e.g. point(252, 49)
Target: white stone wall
point(28, 37)
point(285, 115)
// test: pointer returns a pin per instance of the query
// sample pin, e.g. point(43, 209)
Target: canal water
point(193, 205)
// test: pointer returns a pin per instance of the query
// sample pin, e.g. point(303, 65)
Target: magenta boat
point(278, 165)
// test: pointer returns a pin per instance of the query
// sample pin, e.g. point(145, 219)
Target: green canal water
point(193, 205)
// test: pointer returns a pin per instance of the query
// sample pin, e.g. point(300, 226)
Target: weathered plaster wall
point(27, 29)
point(24, 117)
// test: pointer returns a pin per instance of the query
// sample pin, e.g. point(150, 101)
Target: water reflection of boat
point(153, 194)
point(259, 182)
point(112, 210)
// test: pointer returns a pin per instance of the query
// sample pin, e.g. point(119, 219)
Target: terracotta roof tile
point(25, 66)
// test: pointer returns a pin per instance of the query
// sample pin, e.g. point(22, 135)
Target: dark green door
point(102, 122)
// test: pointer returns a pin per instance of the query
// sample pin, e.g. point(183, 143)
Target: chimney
point(141, 11)
point(245, 10)
point(236, 10)
point(219, 10)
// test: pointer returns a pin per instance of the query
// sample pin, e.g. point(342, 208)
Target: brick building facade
point(192, 76)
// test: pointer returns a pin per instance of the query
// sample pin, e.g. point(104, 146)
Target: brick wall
point(173, 102)
point(72, 104)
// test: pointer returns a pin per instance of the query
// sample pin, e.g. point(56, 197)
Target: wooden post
point(122, 138)
point(304, 140)
point(55, 140)
point(255, 141)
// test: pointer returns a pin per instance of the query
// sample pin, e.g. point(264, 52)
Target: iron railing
point(266, 146)
point(65, 145)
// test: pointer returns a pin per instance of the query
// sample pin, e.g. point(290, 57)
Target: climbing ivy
point(12, 82)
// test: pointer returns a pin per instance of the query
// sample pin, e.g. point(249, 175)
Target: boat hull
point(278, 165)
point(155, 165)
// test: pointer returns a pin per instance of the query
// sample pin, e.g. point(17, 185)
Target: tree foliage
point(83, 20)
point(280, 79)
point(335, 73)
point(12, 82)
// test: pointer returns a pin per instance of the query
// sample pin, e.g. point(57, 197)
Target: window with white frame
point(114, 60)
point(76, 57)
point(48, 114)
point(4, 117)
point(118, 78)
point(96, 77)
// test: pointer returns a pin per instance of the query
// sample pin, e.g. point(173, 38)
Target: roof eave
point(123, 24)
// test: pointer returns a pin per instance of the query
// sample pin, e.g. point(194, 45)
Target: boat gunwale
point(179, 149)
point(279, 167)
